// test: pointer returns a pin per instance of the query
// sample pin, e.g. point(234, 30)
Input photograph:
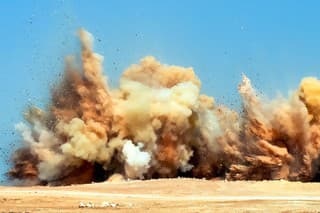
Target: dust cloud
point(158, 125)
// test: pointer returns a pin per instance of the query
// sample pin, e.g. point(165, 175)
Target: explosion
point(158, 125)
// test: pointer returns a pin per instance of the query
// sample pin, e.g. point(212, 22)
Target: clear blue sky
point(275, 43)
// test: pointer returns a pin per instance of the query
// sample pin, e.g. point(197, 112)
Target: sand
point(166, 195)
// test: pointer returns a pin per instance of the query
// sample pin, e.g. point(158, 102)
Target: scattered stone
point(82, 205)
point(105, 204)
point(113, 205)
point(90, 205)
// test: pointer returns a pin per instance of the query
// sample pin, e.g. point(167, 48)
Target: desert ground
point(165, 195)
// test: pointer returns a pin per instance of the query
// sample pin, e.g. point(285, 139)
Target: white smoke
point(137, 161)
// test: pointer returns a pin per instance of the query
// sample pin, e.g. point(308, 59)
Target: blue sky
point(275, 43)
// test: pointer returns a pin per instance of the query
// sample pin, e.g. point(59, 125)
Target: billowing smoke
point(157, 125)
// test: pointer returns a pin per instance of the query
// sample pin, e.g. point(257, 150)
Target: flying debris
point(158, 125)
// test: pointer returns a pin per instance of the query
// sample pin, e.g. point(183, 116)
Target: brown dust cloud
point(158, 125)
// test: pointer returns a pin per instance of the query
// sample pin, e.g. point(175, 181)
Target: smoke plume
point(157, 125)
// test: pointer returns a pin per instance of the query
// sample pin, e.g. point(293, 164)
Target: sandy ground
point(166, 195)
